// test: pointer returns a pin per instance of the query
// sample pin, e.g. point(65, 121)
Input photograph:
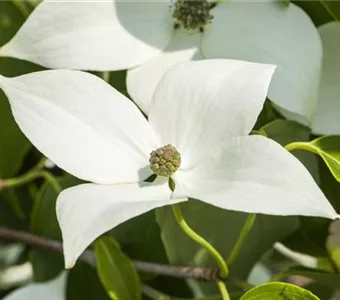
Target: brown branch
point(204, 274)
point(2, 184)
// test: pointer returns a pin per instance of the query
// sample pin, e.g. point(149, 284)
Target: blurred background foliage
point(155, 236)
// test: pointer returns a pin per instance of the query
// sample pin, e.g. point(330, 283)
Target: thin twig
point(204, 274)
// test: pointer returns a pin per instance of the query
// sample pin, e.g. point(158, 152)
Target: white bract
point(52, 290)
point(205, 109)
point(149, 37)
point(326, 119)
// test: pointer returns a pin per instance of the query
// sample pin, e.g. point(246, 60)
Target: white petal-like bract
point(92, 35)
point(82, 124)
point(256, 175)
point(269, 32)
point(327, 114)
point(142, 80)
point(200, 103)
point(51, 290)
point(86, 211)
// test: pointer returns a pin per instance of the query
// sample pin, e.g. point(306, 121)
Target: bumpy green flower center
point(192, 15)
point(165, 161)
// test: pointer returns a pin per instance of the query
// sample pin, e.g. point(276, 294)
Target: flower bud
point(165, 161)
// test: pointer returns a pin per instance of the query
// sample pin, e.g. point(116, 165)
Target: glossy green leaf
point(221, 228)
point(115, 270)
point(333, 8)
point(310, 238)
point(83, 283)
point(140, 238)
point(329, 279)
point(278, 291)
point(328, 148)
point(47, 264)
point(329, 185)
point(285, 131)
point(318, 13)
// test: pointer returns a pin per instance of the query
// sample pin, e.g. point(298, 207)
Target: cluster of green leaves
point(155, 236)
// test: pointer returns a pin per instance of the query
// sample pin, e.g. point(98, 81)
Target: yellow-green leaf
point(278, 291)
point(327, 147)
point(116, 272)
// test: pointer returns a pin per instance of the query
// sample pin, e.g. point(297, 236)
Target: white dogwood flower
point(149, 37)
point(326, 117)
point(196, 133)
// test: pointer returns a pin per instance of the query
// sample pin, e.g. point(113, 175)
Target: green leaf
point(118, 81)
point(140, 238)
point(83, 283)
point(11, 196)
point(310, 238)
point(10, 21)
point(333, 8)
point(47, 264)
point(267, 115)
point(328, 148)
point(285, 131)
point(115, 270)
point(278, 291)
point(9, 217)
point(326, 278)
point(329, 185)
point(318, 13)
point(221, 228)
point(13, 144)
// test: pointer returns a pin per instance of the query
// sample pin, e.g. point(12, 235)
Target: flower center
point(192, 15)
point(165, 160)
